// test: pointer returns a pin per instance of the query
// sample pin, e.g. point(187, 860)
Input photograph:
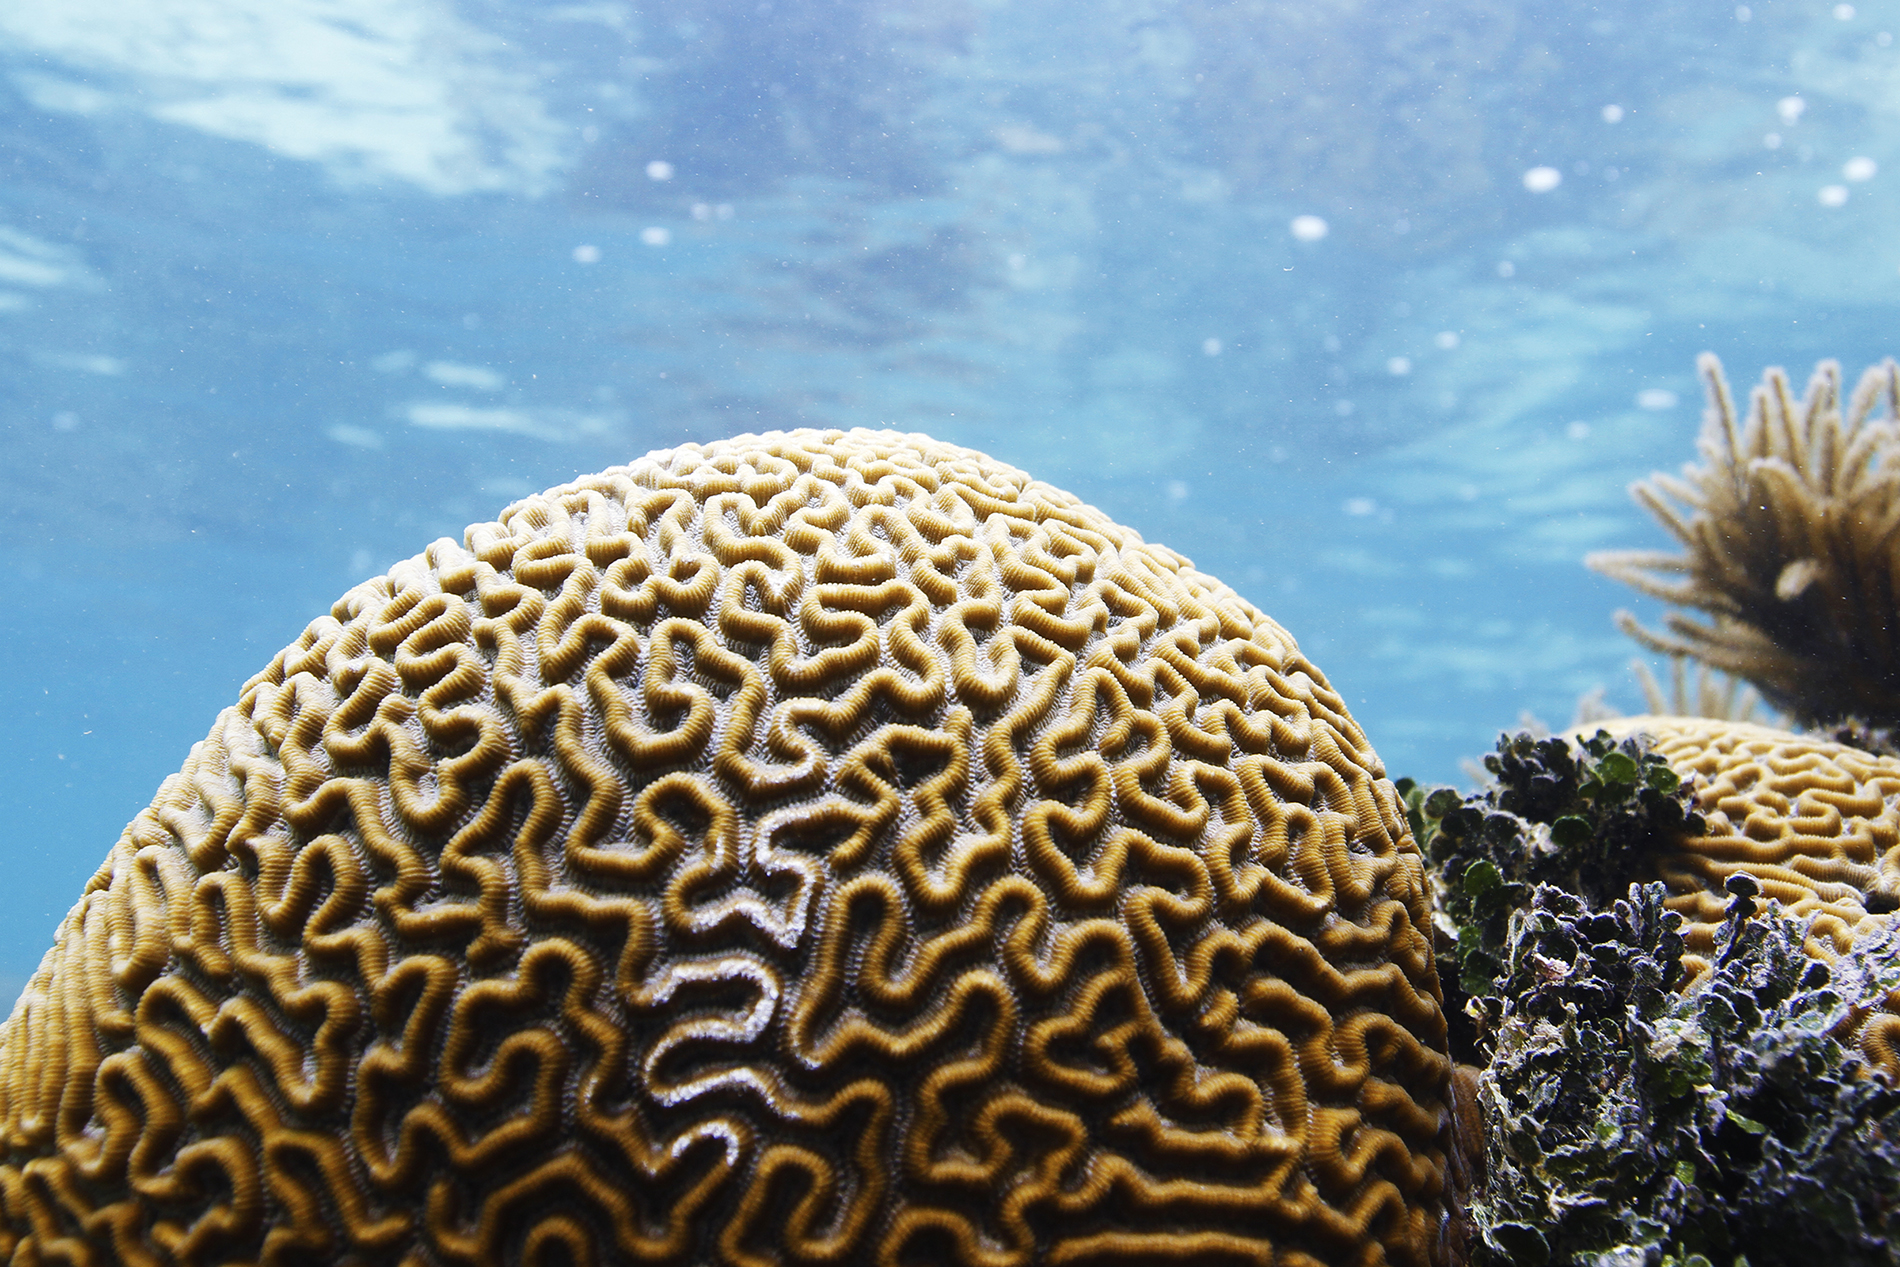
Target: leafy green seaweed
point(1581, 818)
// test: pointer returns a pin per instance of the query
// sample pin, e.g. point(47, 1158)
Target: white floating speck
point(1859, 168)
point(1656, 398)
point(586, 253)
point(1446, 339)
point(1612, 114)
point(1790, 109)
point(1398, 365)
point(1308, 228)
point(1210, 347)
point(654, 235)
point(1541, 180)
point(659, 169)
point(455, 374)
point(1832, 195)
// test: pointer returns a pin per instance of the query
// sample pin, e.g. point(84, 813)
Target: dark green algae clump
point(1623, 1120)
point(1581, 818)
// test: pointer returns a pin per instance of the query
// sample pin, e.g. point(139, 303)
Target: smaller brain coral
point(1816, 823)
point(810, 849)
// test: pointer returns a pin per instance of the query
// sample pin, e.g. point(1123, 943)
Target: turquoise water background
point(289, 290)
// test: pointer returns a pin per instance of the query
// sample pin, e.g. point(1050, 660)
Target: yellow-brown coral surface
point(809, 848)
point(1816, 823)
point(1790, 527)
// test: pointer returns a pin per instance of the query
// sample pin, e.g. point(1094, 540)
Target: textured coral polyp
point(811, 848)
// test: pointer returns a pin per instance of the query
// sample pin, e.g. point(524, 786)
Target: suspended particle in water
point(1308, 228)
point(1541, 180)
point(1832, 195)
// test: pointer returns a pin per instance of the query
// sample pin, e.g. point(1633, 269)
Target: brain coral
point(808, 848)
point(1816, 823)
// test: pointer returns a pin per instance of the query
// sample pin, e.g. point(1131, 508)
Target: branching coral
point(1709, 694)
point(1791, 533)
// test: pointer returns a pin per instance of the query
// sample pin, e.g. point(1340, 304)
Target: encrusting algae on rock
point(818, 847)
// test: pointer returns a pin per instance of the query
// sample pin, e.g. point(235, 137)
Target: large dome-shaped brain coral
point(814, 848)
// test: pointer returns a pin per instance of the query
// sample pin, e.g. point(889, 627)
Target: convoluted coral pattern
point(817, 848)
point(1816, 823)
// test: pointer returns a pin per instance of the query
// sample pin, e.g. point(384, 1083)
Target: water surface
point(288, 291)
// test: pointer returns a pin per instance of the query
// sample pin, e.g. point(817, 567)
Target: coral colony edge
point(840, 847)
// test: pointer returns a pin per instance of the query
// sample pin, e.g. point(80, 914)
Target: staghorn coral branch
point(1656, 498)
point(1880, 384)
point(1720, 417)
point(1635, 568)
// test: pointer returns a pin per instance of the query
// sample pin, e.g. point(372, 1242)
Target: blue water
point(287, 291)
